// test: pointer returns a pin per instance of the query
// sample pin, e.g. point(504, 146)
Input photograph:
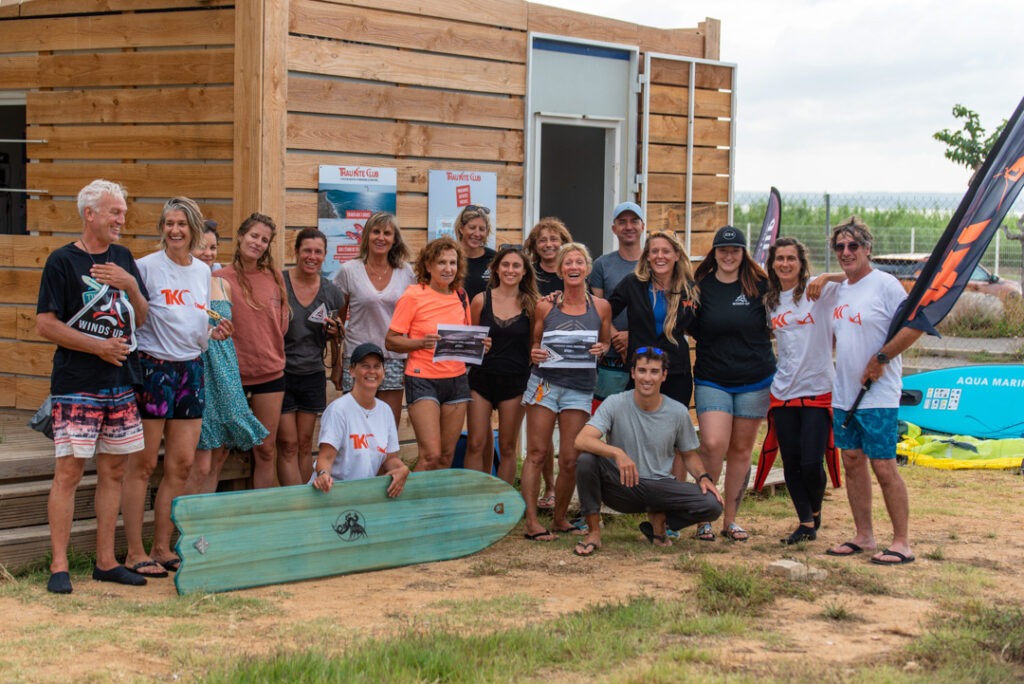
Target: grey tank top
point(581, 379)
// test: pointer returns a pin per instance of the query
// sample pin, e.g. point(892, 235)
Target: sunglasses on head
point(841, 247)
point(477, 208)
point(650, 350)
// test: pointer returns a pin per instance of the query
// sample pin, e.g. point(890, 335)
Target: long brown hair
point(264, 263)
point(552, 223)
point(528, 294)
point(750, 273)
point(682, 279)
point(771, 298)
point(398, 255)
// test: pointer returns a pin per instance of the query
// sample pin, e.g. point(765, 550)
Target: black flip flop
point(854, 550)
point(903, 560)
point(147, 564)
point(647, 529)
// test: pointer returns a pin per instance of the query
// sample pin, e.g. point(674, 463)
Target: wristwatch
point(882, 358)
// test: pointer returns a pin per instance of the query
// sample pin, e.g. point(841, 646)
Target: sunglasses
point(841, 247)
point(477, 208)
point(650, 350)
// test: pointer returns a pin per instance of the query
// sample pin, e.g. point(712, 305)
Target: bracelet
point(321, 472)
point(705, 475)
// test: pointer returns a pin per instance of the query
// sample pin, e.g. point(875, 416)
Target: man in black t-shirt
point(91, 301)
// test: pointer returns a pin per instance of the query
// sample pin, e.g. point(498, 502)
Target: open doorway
point(581, 135)
point(12, 169)
point(577, 165)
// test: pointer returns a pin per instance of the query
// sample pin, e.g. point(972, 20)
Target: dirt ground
point(967, 534)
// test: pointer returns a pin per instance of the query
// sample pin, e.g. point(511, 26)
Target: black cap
point(364, 350)
point(727, 236)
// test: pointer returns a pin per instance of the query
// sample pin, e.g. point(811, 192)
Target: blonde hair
point(194, 217)
point(681, 284)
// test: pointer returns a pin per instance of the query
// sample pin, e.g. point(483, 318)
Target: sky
point(844, 96)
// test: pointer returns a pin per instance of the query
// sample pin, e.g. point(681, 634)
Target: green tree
point(968, 146)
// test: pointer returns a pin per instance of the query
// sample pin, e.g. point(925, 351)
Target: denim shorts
point(554, 397)
point(741, 405)
point(442, 391)
point(873, 431)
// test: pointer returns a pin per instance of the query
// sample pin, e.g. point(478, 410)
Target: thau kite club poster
point(452, 190)
point(348, 195)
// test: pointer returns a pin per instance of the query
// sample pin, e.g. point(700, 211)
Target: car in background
point(907, 267)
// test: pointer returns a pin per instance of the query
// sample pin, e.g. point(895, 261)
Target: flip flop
point(536, 536)
point(137, 569)
point(647, 529)
point(902, 559)
point(546, 503)
point(585, 549)
point(854, 550)
point(171, 565)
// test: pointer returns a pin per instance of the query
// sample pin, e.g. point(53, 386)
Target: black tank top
point(510, 342)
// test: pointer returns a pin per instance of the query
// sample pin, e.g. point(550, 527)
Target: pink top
point(259, 333)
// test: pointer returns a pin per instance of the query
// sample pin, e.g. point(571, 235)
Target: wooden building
point(236, 104)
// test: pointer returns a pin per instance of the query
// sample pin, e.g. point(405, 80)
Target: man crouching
point(631, 471)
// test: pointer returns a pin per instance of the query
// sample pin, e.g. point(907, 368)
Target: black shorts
point(497, 387)
point(305, 393)
point(264, 387)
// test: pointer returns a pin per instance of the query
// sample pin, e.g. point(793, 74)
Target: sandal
point(705, 533)
point(736, 533)
point(546, 503)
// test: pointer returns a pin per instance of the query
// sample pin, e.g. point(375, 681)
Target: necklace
point(85, 249)
point(379, 276)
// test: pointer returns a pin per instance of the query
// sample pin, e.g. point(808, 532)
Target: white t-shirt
point(861, 320)
point(370, 309)
point(803, 339)
point(363, 438)
point(177, 326)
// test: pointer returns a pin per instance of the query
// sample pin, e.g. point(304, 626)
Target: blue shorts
point(740, 405)
point(873, 431)
point(556, 398)
point(171, 390)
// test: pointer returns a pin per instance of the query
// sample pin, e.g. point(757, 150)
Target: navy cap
point(364, 350)
point(727, 236)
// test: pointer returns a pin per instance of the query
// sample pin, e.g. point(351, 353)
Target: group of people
point(173, 348)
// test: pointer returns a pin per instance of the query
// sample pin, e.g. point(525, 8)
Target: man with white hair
point(91, 301)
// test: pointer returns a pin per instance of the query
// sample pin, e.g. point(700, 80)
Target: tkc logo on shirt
point(839, 313)
point(175, 297)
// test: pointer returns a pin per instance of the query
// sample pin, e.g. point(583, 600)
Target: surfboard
point(235, 540)
point(980, 401)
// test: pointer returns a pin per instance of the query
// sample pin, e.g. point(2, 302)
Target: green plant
point(834, 610)
point(969, 146)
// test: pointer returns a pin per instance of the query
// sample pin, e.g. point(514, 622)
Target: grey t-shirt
point(608, 270)
point(650, 438)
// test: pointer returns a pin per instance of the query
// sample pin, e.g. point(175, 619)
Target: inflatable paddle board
point(980, 401)
point(234, 540)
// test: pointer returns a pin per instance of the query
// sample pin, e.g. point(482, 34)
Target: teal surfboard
point(980, 401)
point(235, 540)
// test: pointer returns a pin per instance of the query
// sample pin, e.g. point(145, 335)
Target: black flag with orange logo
point(992, 192)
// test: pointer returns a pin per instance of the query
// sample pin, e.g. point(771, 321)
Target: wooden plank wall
point(135, 91)
point(669, 143)
point(426, 85)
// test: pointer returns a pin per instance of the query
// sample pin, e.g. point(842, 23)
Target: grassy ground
point(523, 611)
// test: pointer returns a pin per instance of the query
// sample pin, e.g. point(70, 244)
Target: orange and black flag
point(992, 192)
point(769, 227)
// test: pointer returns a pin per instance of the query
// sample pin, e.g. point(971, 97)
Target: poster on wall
point(346, 197)
point(451, 191)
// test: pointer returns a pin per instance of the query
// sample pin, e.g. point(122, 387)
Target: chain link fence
point(987, 325)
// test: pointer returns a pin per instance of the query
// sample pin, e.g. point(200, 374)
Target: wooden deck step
point(26, 545)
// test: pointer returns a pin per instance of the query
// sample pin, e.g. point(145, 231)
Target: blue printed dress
point(227, 419)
